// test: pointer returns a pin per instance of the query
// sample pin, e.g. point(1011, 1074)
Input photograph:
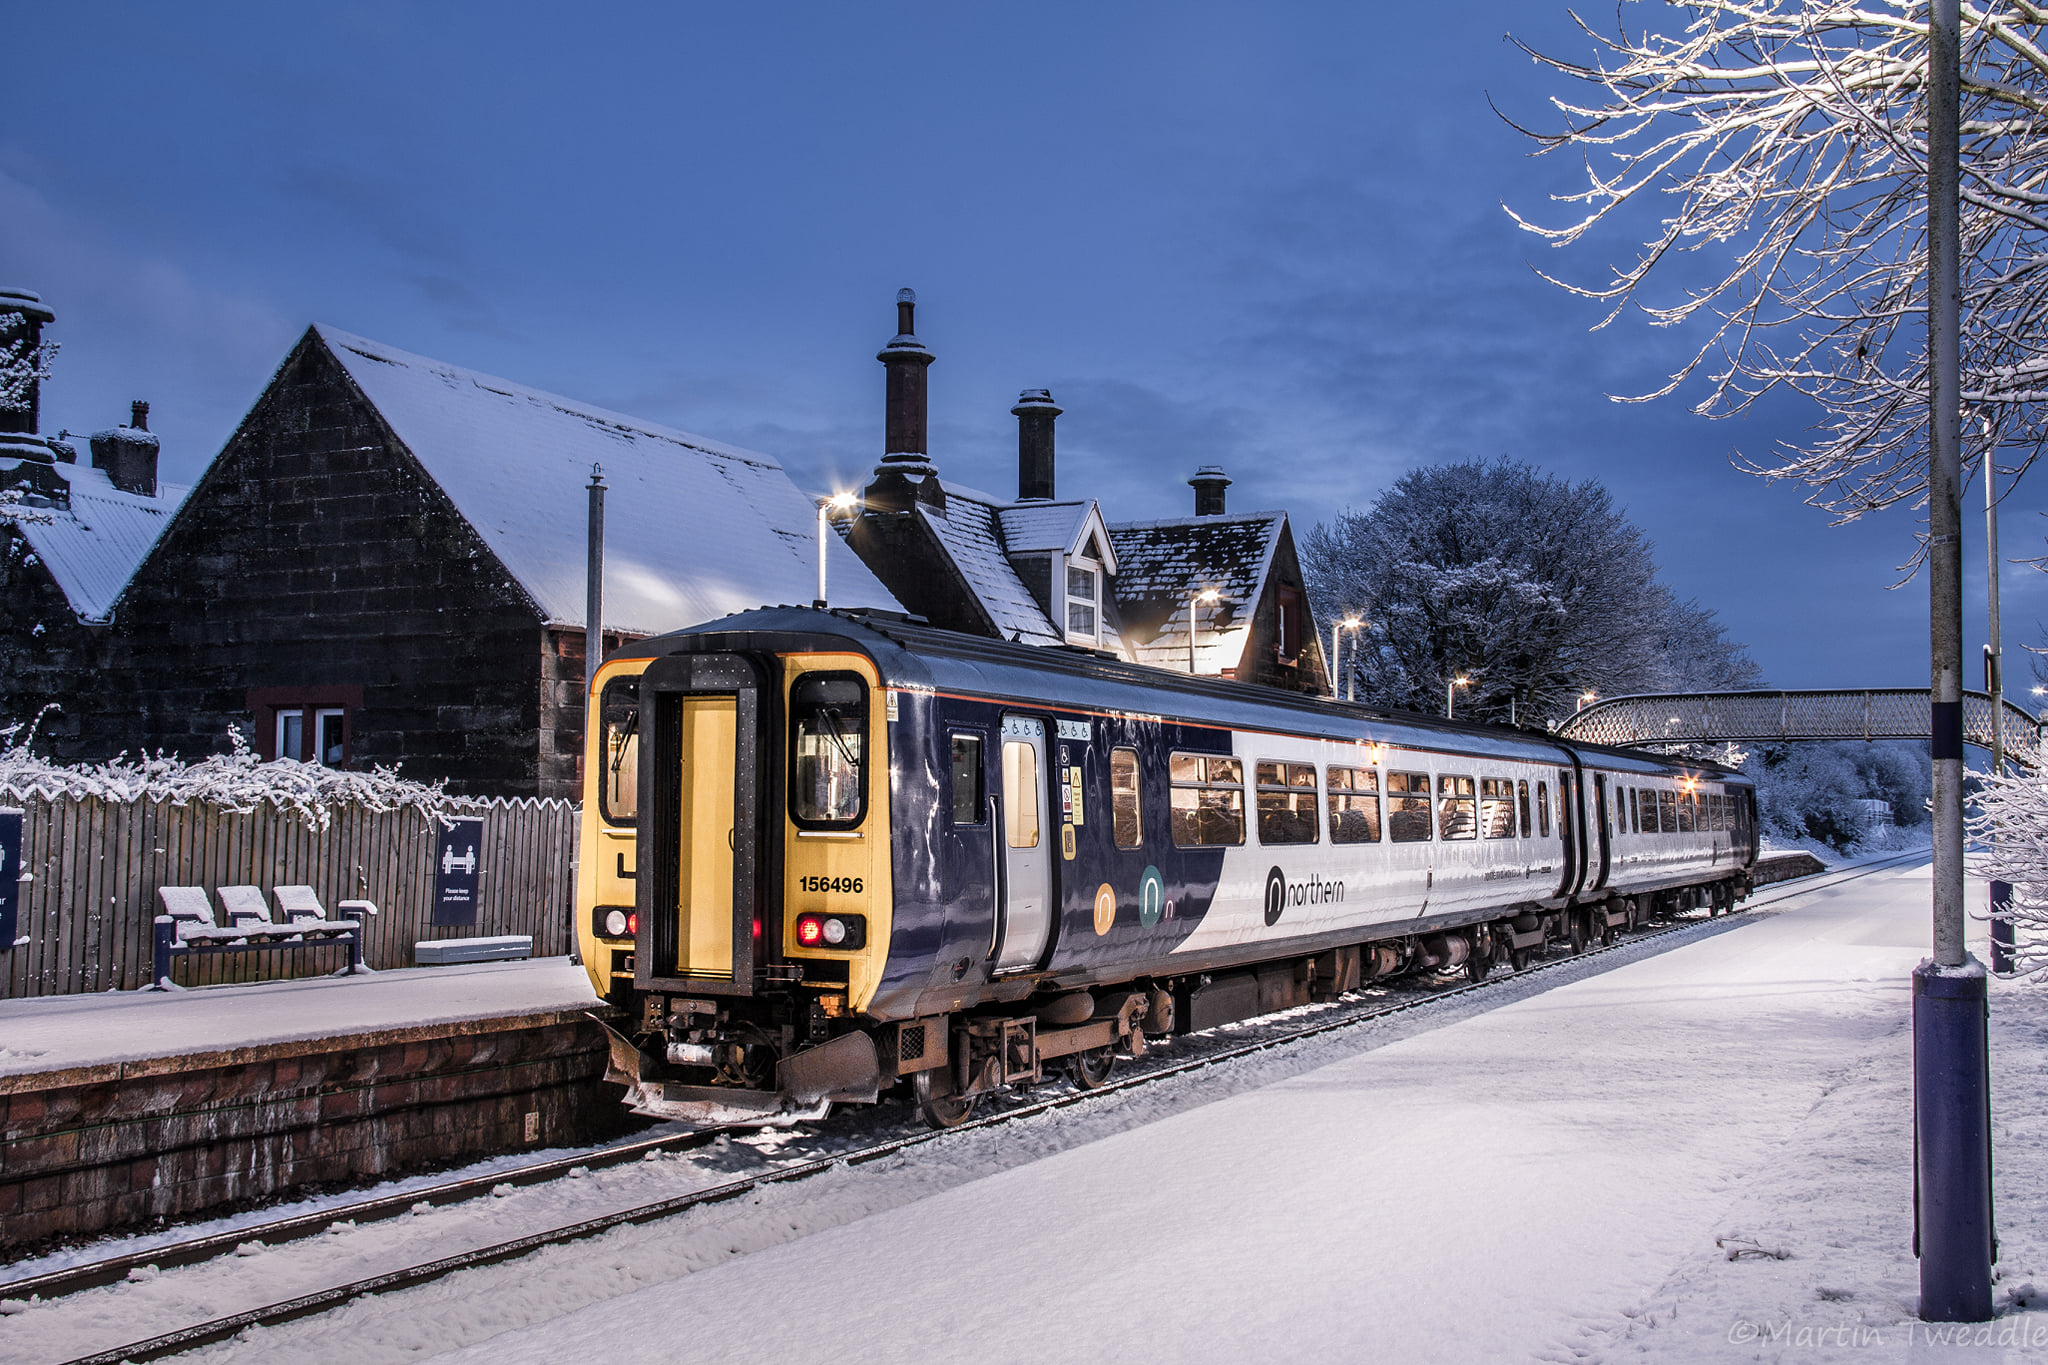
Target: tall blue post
point(2001, 929)
point(1951, 1080)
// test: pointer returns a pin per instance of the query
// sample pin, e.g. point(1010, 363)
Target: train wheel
point(937, 1105)
point(1090, 1070)
point(1518, 958)
point(1478, 965)
point(1607, 931)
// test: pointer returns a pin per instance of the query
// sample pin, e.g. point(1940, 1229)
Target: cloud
point(134, 326)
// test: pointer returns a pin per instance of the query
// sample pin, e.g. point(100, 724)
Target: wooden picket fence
point(95, 867)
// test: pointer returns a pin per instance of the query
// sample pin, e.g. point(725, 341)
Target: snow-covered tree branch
point(22, 366)
point(236, 781)
point(2011, 830)
point(1779, 146)
point(1534, 588)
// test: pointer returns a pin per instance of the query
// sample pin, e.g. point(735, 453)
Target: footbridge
point(1718, 717)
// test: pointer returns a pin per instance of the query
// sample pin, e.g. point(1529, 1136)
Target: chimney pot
point(905, 471)
point(1209, 484)
point(138, 415)
point(1035, 412)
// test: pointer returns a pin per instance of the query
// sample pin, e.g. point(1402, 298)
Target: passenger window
point(1020, 793)
point(1123, 798)
point(968, 805)
point(1667, 813)
point(1635, 813)
point(1497, 807)
point(1543, 809)
point(828, 721)
point(619, 711)
point(1208, 800)
point(1408, 807)
point(1287, 803)
point(1522, 800)
point(1354, 806)
point(1455, 817)
point(1685, 813)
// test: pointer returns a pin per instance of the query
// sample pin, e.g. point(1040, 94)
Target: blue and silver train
point(827, 853)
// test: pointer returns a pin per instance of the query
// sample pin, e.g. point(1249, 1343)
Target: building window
point(1287, 629)
point(1084, 601)
point(305, 724)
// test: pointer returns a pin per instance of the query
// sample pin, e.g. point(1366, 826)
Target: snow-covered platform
point(1694, 1156)
point(121, 1108)
point(215, 1024)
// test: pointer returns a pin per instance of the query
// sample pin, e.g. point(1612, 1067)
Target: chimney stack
point(906, 472)
point(22, 316)
point(128, 454)
point(1034, 413)
point(1209, 484)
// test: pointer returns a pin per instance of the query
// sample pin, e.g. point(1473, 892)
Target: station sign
point(457, 861)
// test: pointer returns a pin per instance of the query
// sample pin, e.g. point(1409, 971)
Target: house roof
point(970, 533)
point(694, 529)
point(1055, 527)
point(1162, 564)
point(93, 549)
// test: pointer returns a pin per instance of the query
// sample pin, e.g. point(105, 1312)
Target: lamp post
point(1587, 698)
point(837, 502)
point(1994, 685)
point(1350, 623)
point(1205, 595)
point(1451, 691)
point(1951, 1063)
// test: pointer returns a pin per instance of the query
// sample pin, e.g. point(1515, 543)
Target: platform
point(120, 1108)
point(1547, 1180)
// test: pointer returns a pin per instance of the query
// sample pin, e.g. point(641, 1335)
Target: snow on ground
point(53, 1033)
point(1545, 1178)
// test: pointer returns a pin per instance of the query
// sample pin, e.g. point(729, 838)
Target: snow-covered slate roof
point(1055, 527)
point(94, 549)
point(968, 531)
point(694, 529)
point(1161, 564)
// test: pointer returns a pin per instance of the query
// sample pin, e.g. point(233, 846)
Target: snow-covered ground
point(53, 1033)
point(1562, 1176)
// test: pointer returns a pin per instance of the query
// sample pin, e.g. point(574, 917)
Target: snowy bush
point(1810, 791)
point(2011, 832)
point(235, 781)
point(1534, 588)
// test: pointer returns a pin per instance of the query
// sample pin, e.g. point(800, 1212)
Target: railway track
point(198, 1250)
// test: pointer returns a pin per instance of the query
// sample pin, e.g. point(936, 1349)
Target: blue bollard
point(1952, 1229)
point(2001, 928)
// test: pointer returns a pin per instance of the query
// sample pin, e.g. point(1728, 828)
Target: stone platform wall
point(122, 1145)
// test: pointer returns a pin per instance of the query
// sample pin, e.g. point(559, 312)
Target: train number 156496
point(851, 884)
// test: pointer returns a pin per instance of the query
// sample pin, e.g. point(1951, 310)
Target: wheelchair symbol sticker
point(1151, 897)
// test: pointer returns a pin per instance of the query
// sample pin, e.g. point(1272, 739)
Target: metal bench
point(187, 927)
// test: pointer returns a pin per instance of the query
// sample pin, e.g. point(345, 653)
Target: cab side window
point(970, 807)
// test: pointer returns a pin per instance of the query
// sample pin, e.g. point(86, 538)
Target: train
point(829, 854)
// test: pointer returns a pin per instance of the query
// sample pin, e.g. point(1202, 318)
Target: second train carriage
point(823, 852)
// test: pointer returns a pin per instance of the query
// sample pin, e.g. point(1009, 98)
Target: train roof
point(910, 653)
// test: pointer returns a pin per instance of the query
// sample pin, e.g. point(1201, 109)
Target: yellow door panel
point(710, 733)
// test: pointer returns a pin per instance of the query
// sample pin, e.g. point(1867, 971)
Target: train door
point(696, 888)
point(1024, 926)
point(1600, 808)
point(1567, 830)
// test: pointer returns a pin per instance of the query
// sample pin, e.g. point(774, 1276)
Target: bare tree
point(1781, 145)
point(1533, 588)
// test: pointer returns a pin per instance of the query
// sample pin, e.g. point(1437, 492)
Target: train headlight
point(615, 923)
point(831, 931)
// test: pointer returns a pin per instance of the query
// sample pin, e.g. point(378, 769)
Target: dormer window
point(1084, 601)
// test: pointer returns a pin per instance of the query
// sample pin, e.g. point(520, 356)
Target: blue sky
point(1267, 237)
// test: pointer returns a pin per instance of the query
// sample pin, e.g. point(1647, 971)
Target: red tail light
point(831, 931)
point(810, 930)
point(633, 923)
